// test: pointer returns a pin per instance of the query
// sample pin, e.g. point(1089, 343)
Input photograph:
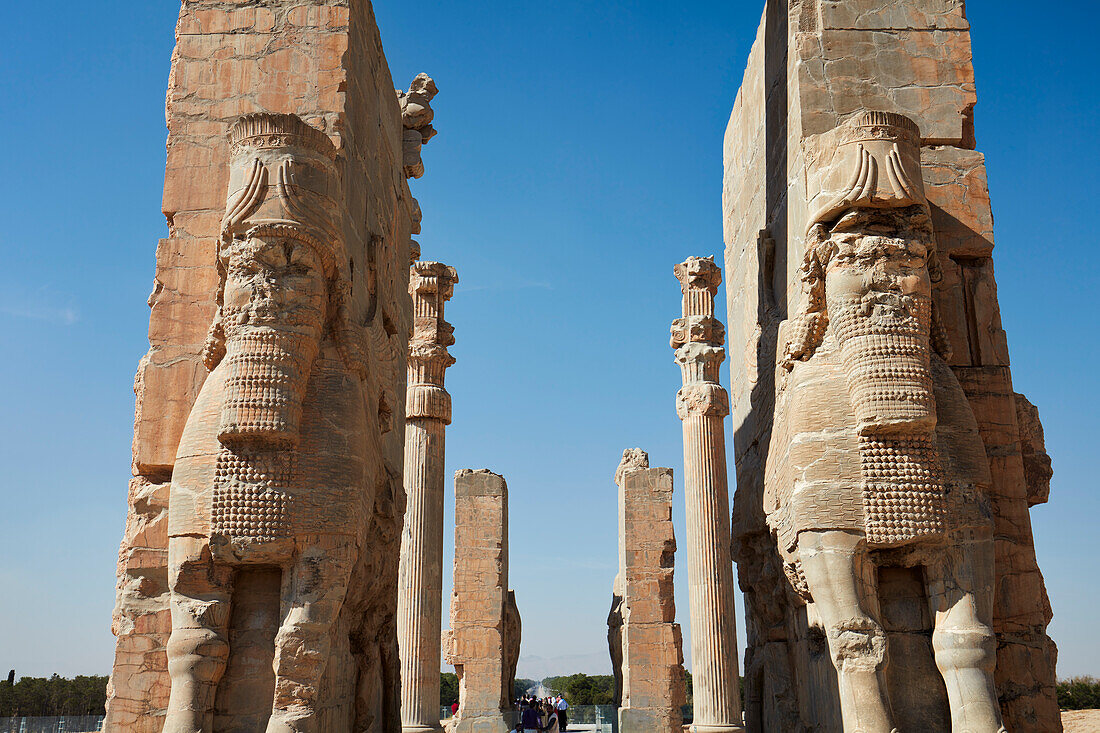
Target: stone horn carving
point(266, 476)
point(875, 458)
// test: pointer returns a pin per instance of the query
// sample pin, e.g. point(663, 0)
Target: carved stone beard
point(885, 348)
point(267, 371)
point(886, 351)
point(270, 346)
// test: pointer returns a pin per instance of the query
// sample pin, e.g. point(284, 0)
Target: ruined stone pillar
point(483, 641)
point(650, 657)
point(702, 404)
point(420, 580)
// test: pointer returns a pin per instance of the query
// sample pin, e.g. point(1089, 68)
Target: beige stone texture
point(1081, 721)
point(816, 65)
point(420, 576)
point(323, 62)
point(483, 639)
point(702, 405)
point(649, 657)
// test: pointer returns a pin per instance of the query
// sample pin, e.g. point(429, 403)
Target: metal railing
point(52, 724)
point(599, 718)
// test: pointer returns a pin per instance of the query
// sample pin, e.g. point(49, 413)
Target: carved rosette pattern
point(251, 500)
point(702, 404)
point(428, 412)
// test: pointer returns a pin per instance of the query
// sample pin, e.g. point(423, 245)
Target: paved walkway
point(1081, 721)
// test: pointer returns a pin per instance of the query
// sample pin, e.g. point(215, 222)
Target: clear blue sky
point(579, 158)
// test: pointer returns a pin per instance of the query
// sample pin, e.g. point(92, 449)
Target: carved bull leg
point(198, 647)
point(960, 590)
point(313, 592)
point(840, 579)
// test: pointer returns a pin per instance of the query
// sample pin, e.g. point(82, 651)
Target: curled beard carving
point(886, 350)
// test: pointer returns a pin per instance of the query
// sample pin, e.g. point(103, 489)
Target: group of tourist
point(547, 715)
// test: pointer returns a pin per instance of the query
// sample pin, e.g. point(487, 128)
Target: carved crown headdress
point(301, 201)
point(871, 160)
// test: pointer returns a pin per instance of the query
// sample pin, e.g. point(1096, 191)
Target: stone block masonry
point(650, 657)
point(321, 61)
point(817, 66)
point(483, 640)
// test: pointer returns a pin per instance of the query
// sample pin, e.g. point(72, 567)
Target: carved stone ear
point(935, 273)
point(941, 344)
point(348, 337)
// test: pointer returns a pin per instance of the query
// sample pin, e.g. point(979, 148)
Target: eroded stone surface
point(349, 231)
point(646, 646)
point(483, 640)
point(796, 182)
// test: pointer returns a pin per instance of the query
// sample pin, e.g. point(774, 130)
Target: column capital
point(702, 398)
point(431, 285)
point(428, 401)
point(697, 330)
point(698, 273)
point(432, 278)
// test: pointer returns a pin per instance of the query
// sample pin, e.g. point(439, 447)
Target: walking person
point(562, 706)
point(530, 718)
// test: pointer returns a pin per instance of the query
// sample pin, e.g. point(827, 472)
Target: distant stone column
point(649, 643)
point(483, 641)
point(702, 404)
point(428, 412)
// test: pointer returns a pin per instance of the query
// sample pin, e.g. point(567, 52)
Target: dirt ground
point(1081, 721)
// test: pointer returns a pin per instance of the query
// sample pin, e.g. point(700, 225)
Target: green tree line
point(1079, 693)
point(87, 695)
point(33, 696)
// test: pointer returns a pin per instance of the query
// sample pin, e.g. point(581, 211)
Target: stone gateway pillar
point(257, 575)
point(650, 662)
point(483, 641)
point(885, 465)
point(420, 578)
point(702, 404)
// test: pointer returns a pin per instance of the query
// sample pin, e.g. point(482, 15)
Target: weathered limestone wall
point(651, 657)
point(813, 64)
point(321, 60)
point(482, 641)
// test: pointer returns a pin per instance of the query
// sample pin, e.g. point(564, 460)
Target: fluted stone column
point(427, 413)
point(702, 404)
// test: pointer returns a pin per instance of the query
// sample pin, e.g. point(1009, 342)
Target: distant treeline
point(87, 695)
point(1079, 693)
point(33, 696)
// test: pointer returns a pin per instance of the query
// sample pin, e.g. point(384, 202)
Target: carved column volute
point(698, 337)
point(431, 285)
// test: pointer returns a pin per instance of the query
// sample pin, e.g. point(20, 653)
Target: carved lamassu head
point(273, 311)
point(868, 271)
point(281, 260)
point(878, 296)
